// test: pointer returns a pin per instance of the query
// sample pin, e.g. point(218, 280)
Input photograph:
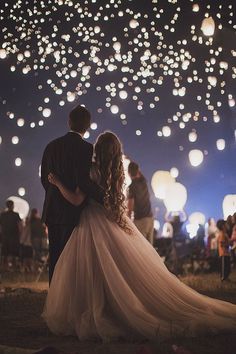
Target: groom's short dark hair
point(79, 119)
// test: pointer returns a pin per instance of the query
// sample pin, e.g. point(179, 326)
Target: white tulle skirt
point(108, 284)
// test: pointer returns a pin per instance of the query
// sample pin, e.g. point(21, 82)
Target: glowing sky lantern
point(133, 23)
point(196, 157)
point(192, 230)
point(229, 205)
point(15, 140)
point(192, 137)
point(21, 191)
point(197, 218)
point(224, 65)
point(208, 26)
point(18, 161)
point(97, 29)
point(93, 126)
point(46, 112)
point(20, 122)
point(220, 144)
point(117, 46)
point(3, 53)
point(160, 181)
point(114, 109)
point(21, 206)
point(166, 131)
point(70, 96)
point(212, 80)
point(86, 135)
point(175, 197)
point(123, 94)
point(85, 70)
point(174, 172)
point(195, 7)
point(231, 102)
point(216, 118)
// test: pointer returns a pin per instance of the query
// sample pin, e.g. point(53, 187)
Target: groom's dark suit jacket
point(70, 158)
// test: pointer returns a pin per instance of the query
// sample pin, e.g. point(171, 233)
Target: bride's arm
point(76, 198)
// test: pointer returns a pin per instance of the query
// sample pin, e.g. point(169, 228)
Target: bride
point(109, 282)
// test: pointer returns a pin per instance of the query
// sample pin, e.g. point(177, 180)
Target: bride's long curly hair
point(108, 157)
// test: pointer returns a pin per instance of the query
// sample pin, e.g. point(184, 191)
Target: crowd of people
point(23, 243)
point(213, 248)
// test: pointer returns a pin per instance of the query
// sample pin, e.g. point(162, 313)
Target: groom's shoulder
point(55, 142)
point(68, 139)
point(87, 144)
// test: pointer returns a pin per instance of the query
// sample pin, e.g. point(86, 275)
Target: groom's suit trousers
point(58, 236)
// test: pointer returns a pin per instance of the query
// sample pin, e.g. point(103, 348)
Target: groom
point(68, 157)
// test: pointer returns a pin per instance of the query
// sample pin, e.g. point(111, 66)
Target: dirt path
point(21, 324)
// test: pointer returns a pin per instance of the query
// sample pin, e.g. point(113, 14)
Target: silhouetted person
point(11, 227)
point(38, 232)
point(139, 202)
point(223, 249)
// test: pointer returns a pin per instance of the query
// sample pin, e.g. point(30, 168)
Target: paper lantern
point(208, 26)
point(229, 205)
point(195, 157)
point(123, 94)
point(212, 80)
point(114, 109)
point(21, 191)
point(192, 137)
point(220, 144)
point(195, 7)
point(18, 161)
point(175, 197)
point(133, 23)
point(167, 230)
point(192, 230)
point(197, 218)
point(21, 206)
point(160, 181)
point(166, 131)
point(46, 112)
point(174, 172)
point(3, 53)
point(117, 46)
point(231, 102)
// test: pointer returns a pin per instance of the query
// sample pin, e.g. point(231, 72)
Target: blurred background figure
point(167, 230)
point(138, 202)
point(11, 228)
point(233, 245)
point(223, 249)
point(211, 244)
point(38, 236)
point(229, 225)
point(26, 250)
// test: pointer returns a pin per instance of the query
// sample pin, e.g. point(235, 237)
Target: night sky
point(56, 54)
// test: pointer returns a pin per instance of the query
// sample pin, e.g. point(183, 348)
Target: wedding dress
point(109, 284)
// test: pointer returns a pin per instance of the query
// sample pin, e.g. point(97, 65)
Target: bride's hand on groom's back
point(53, 179)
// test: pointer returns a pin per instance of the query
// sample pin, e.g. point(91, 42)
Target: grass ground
point(22, 300)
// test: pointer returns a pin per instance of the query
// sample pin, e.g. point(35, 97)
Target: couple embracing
point(106, 280)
